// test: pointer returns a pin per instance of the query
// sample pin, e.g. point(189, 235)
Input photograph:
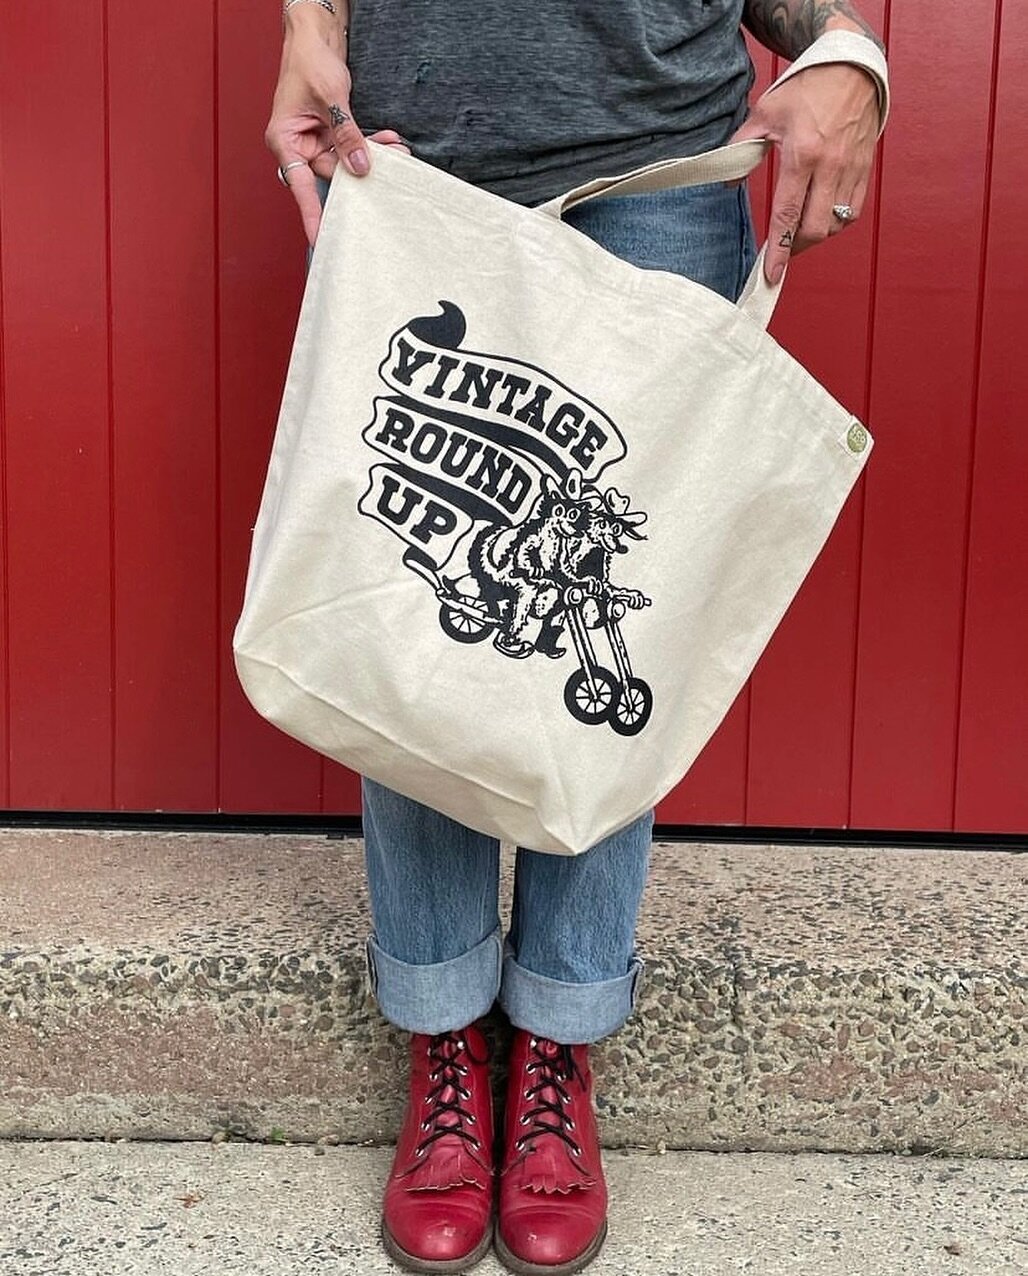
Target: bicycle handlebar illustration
point(593, 694)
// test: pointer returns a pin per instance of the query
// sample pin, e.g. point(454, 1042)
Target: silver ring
point(282, 171)
point(844, 212)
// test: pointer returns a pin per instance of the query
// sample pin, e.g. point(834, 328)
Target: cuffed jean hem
point(440, 996)
point(573, 1014)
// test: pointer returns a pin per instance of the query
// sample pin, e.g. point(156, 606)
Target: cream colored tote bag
point(532, 513)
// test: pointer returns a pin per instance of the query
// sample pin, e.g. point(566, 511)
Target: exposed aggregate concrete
point(165, 985)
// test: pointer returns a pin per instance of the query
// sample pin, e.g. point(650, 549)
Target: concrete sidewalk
point(136, 1209)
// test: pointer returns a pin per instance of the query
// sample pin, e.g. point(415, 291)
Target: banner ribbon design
point(490, 474)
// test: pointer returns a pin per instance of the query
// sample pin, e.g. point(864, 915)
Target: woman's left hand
point(824, 123)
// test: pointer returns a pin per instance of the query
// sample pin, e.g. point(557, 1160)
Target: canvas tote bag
point(532, 513)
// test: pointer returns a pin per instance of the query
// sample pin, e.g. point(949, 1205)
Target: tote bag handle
point(725, 164)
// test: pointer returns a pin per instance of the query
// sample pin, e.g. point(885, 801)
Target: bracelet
point(324, 4)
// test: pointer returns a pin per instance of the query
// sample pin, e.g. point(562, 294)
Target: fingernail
point(358, 161)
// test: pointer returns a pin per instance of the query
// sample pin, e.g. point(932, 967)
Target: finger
point(850, 193)
point(347, 138)
point(790, 195)
point(324, 163)
point(856, 197)
point(389, 137)
point(304, 188)
point(818, 220)
point(752, 127)
point(859, 197)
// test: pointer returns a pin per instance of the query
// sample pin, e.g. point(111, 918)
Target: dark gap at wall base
point(350, 826)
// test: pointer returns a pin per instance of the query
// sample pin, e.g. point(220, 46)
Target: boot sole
point(415, 1264)
point(522, 1268)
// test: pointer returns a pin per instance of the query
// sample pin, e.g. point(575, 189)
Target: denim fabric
point(567, 969)
point(703, 232)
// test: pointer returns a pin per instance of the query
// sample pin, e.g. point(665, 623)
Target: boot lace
point(444, 1102)
point(555, 1067)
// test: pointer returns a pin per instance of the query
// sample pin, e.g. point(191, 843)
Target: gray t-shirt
point(528, 99)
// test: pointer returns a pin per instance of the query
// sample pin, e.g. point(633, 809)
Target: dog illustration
point(517, 569)
point(587, 559)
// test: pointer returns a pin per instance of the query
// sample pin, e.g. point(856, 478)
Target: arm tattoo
point(790, 26)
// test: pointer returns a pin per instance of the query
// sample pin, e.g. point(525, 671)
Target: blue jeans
point(567, 969)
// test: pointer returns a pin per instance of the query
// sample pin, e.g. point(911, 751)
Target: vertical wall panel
point(162, 295)
point(992, 777)
point(341, 790)
point(261, 272)
point(921, 408)
point(893, 695)
point(801, 721)
point(5, 713)
point(714, 791)
point(55, 406)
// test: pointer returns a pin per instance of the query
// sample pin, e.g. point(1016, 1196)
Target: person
point(527, 101)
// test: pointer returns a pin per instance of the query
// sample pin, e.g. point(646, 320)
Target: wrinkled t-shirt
point(530, 99)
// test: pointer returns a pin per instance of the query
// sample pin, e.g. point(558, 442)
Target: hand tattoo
point(786, 240)
point(790, 26)
point(337, 116)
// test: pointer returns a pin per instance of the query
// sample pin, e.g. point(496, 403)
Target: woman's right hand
point(310, 116)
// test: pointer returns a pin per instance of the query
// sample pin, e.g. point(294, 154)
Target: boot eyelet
point(578, 1150)
point(526, 1094)
point(571, 1124)
point(519, 1144)
point(534, 1042)
point(426, 1125)
point(462, 1069)
point(462, 1044)
point(472, 1119)
point(420, 1152)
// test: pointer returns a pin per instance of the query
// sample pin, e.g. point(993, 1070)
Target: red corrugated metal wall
point(150, 270)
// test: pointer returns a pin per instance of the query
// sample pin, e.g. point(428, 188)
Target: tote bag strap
point(726, 164)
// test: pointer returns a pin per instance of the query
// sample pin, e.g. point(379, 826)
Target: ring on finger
point(283, 169)
point(844, 212)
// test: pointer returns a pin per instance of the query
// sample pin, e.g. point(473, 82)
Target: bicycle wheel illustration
point(462, 624)
point(590, 694)
point(631, 711)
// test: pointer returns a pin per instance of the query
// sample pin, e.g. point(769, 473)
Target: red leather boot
point(553, 1197)
point(438, 1208)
